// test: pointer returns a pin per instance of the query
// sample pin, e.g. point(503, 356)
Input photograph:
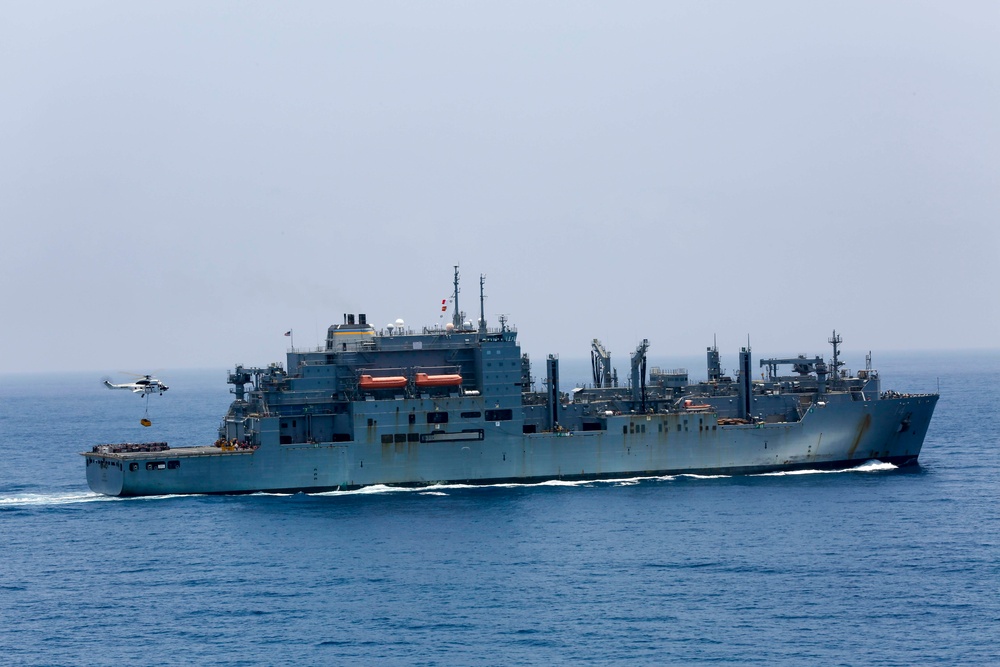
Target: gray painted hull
point(835, 435)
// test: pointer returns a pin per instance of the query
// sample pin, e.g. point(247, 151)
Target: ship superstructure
point(459, 404)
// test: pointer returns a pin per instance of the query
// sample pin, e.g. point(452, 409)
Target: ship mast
point(837, 363)
point(456, 318)
point(482, 307)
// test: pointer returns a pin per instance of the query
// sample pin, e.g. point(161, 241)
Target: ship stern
point(105, 475)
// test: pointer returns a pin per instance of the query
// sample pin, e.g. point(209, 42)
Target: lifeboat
point(449, 380)
point(387, 382)
point(697, 407)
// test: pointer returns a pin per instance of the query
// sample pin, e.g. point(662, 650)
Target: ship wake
point(48, 499)
point(55, 499)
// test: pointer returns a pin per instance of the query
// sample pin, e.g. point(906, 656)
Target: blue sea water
point(870, 566)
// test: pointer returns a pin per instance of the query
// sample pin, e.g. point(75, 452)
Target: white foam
point(49, 499)
point(562, 482)
point(364, 490)
point(867, 466)
point(875, 466)
point(41, 499)
point(441, 489)
point(693, 476)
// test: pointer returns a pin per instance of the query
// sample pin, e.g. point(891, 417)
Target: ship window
point(499, 415)
point(678, 427)
point(624, 429)
point(284, 424)
point(294, 423)
point(400, 437)
point(472, 415)
point(413, 418)
point(173, 465)
point(413, 437)
point(387, 438)
point(131, 466)
point(437, 417)
point(156, 465)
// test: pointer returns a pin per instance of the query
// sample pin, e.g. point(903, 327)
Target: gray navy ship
point(458, 404)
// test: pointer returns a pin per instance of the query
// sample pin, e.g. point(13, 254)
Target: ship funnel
point(552, 371)
point(745, 407)
point(822, 372)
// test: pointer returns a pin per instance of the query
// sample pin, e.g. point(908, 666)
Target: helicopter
point(144, 385)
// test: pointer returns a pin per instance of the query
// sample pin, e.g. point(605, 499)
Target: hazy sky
point(183, 182)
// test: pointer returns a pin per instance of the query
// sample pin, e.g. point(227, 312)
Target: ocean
point(868, 566)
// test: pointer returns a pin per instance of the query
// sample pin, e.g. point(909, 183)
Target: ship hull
point(828, 436)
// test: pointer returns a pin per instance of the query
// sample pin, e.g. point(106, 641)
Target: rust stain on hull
point(862, 429)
